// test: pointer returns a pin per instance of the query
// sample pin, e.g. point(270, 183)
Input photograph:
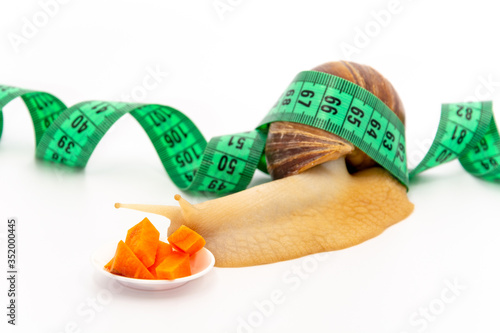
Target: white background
point(225, 69)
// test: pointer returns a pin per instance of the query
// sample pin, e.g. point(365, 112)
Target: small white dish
point(201, 262)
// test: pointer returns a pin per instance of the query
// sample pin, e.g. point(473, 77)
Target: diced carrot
point(174, 266)
point(162, 252)
point(143, 240)
point(186, 240)
point(127, 264)
point(108, 265)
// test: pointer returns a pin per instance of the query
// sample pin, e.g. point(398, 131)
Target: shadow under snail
point(326, 194)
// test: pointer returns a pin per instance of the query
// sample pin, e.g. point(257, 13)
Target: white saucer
point(201, 263)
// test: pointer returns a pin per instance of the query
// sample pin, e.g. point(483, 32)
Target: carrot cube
point(127, 264)
point(143, 240)
point(174, 266)
point(186, 240)
point(162, 252)
point(109, 264)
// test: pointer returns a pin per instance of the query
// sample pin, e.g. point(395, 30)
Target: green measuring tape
point(467, 131)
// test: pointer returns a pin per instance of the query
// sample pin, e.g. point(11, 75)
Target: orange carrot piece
point(186, 240)
point(143, 240)
point(174, 266)
point(127, 264)
point(162, 252)
point(109, 264)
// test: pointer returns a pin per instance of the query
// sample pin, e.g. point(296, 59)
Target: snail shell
point(292, 148)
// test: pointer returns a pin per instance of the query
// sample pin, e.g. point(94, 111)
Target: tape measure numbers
point(467, 131)
point(70, 135)
point(349, 111)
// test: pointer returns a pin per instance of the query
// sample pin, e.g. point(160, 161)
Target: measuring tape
point(467, 131)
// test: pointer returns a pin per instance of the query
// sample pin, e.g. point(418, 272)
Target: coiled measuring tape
point(467, 131)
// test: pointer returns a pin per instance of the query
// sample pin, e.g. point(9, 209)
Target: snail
point(325, 195)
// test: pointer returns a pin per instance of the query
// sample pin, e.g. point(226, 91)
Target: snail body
point(294, 216)
point(314, 205)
